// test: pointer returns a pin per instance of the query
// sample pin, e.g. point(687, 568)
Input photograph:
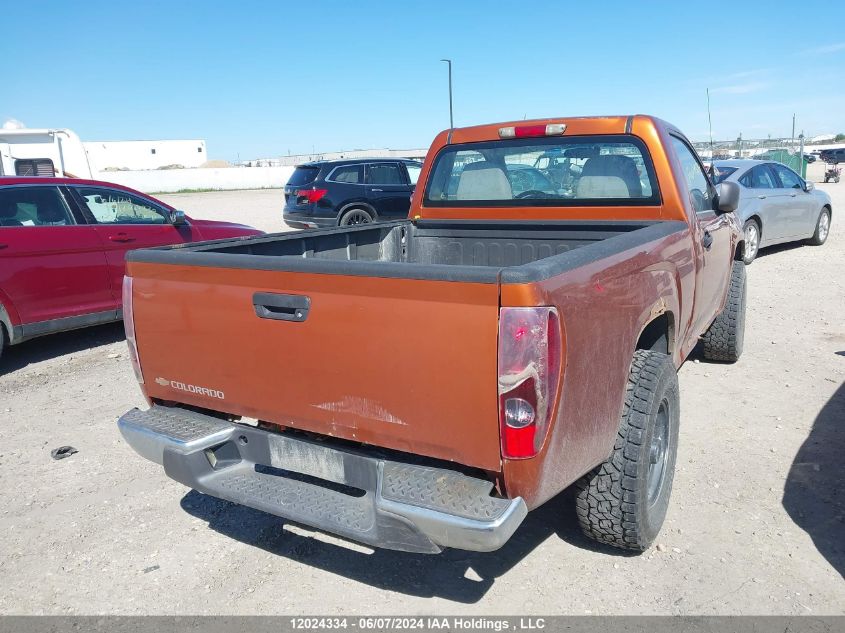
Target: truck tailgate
point(406, 364)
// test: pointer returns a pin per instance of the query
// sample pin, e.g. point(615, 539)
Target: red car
point(62, 247)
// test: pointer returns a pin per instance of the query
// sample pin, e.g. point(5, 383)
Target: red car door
point(124, 222)
point(51, 267)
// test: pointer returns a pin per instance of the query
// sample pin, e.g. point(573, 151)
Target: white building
point(298, 159)
point(60, 152)
point(140, 155)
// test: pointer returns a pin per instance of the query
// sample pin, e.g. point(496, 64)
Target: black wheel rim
point(658, 452)
point(357, 217)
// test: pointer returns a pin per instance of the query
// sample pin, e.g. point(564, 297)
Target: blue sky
point(262, 79)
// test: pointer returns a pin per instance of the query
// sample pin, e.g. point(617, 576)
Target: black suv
point(834, 156)
point(350, 191)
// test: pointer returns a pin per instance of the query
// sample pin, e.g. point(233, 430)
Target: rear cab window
point(35, 167)
point(611, 170)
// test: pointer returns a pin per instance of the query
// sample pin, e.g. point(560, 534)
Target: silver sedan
point(776, 205)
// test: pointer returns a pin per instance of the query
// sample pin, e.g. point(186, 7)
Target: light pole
point(451, 122)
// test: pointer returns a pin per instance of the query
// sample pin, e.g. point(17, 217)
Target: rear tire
point(822, 228)
point(355, 216)
point(724, 339)
point(2, 339)
point(623, 502)
point(751, 231)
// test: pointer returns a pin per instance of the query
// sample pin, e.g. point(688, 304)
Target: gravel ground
point(755, 525)
point(261, 208)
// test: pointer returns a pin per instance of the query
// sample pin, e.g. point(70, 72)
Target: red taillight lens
point(311, 195)
point(529, 372)
point(129, 327)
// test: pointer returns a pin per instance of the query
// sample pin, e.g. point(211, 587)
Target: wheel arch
point(357, 204)
point(658, 335)
point(8, 319)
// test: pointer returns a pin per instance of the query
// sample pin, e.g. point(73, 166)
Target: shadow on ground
point(814, 495)
point(56, 345)
point(443, 575)
point(782, 248)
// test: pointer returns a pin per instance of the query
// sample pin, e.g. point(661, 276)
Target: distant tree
point(839, 138)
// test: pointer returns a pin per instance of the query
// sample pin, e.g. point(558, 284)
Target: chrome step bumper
point(379, 502)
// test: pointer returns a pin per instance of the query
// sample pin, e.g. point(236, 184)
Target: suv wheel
point(355, 216)
point(623, 501)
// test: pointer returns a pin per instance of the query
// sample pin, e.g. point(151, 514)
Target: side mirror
point(727, 197)
point(808, 186)
point(177, 218)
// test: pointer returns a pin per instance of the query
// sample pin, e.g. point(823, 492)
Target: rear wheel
point(822, 228)
point(724, 338)
point(623, 501)
point(752, 241)
point(2, 339)
point(355, 216)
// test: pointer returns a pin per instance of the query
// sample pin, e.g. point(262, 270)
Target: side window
point(33, 206)
point(350, 174)
point(762, 178)
point(788, 178)
point(697, 183)
point(384, 174)
point(35, 167)
point(413, 172)
point(111, 206)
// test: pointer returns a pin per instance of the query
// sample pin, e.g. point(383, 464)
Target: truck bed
point(327, 331)
point(473, 251)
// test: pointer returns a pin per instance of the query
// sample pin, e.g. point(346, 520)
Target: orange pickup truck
point(424, 383)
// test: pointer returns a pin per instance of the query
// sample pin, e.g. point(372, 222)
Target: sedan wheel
point(822, 228)
point(752, 241)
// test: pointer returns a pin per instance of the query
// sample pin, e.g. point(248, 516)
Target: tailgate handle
point(281, 307)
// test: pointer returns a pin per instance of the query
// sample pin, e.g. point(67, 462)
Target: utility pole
point(451, 121)
point(802, 165)
point(793, 132)
point(710, 124)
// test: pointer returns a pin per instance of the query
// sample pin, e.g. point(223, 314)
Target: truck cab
point(424, 383)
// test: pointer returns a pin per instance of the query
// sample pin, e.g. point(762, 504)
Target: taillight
point(311, 195)
point(522, 131)
point(529, 371)
point(129, 327)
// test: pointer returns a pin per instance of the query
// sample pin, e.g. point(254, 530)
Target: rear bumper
point(382, 503)
point(304, 220)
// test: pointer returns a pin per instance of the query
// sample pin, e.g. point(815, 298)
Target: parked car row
point(776, 205)
point(63, 242)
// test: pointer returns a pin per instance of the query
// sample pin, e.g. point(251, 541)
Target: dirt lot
point(756, 523)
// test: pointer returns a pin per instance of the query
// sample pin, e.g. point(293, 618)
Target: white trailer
point(42, 152)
